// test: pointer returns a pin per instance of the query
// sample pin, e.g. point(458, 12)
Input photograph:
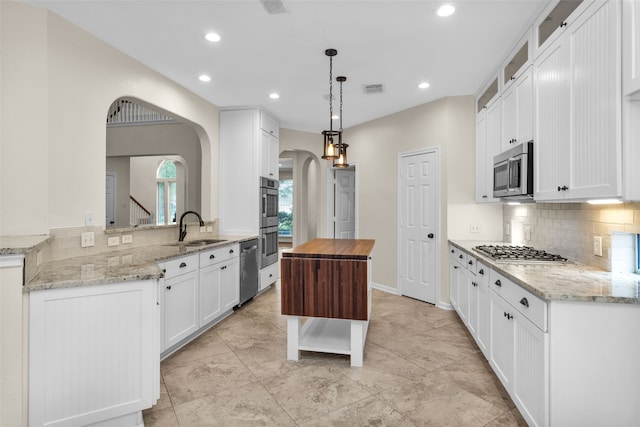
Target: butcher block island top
point(329, 281)
point(333, 249)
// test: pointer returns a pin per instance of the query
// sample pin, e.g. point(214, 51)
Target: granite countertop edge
point(570, 282)
point(134, 264)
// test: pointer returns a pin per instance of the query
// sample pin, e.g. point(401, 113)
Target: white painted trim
point(401, 155)
point(445, 306)
point(385, 288)
point(7, 261)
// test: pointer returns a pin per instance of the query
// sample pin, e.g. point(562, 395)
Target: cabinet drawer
point(269, 274)
point(470, 263)
point(529, 305)
point(482, 273)
point(178, 266)
point(217, 255)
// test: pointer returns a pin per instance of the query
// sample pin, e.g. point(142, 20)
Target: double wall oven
point(268, 221)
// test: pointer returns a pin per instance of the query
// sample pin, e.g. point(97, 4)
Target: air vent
point(372, 88)
point(273, 6)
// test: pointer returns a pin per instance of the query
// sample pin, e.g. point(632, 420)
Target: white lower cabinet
point(483, 329)
point(210, 300)
point(93, 354)
point(230, 287)
point(502, 339)
point(268, 275)
point(197, 291)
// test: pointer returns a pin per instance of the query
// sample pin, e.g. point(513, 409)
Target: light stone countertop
point(139, 263)
point(20, 245)
point(569, 281)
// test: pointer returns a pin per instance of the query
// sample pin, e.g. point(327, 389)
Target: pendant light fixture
point(330, 152)
point(341, 147)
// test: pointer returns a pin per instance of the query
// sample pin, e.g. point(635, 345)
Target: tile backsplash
point(568, 229)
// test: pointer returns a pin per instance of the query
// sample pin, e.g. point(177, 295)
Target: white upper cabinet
point(631, 47)
point(578, 109)
point(248, 150)
point(555, 20)
point(488, 137)
point(517, 96)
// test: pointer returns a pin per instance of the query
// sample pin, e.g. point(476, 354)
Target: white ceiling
point(396, 43)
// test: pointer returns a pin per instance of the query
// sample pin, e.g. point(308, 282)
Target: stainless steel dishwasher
point(248, 270)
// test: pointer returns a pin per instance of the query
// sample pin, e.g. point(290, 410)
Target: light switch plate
point(474, 228)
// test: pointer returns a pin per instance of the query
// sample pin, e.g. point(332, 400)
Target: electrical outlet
point(474, 228)
point(203, 229)
point(597, 245)
point(113, 261)
point(88, 219)
point(39, 258)
point(127, 238)
point(209, 228)
point(88, 239)
point(527, 232)
point(113, 241)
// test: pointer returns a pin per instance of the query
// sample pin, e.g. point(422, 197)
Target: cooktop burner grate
point(517, 253)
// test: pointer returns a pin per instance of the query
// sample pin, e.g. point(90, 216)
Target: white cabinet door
point(502, 339)
point(482, 163)
point(530, 371)
point(209, 299)
point(454, 272)
point(180, 307)
point(631, 46)
point(509, 118)
point(230, 284)
point(463, 293)
point(269, 156)
point(472, 313)
point(578, 110)
point(483, 334)
point(524, 106)
point(551, 149)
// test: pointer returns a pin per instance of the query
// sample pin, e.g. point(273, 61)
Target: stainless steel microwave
point(513, 173)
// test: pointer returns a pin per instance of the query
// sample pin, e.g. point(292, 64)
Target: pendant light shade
point(341, 161)
point(331, 137)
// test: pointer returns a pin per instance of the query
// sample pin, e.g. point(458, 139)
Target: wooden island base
point(328, 282)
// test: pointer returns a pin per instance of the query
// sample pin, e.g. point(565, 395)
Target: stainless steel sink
point(200, 242)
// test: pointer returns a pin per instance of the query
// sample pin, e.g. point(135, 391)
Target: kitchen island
point(328, 281)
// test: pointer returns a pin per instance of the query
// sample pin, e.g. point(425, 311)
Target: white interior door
point(345, 204)
point(418, 225)
point(110, 206)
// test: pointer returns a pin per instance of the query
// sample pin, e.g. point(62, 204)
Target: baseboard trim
point(384, 288)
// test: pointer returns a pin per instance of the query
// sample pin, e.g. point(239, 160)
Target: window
point(166, 206)
point(285, 208)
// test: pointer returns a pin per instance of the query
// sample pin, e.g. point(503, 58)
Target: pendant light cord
point(331, 93)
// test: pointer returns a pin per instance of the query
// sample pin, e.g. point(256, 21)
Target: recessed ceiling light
point(204, 78)
point(274, 96)
point(212, 37)
point(424, 85)
point(445, 10)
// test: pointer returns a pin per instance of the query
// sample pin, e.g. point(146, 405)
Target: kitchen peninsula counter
point(139, 263)
point(327, 280)
point(562, 281)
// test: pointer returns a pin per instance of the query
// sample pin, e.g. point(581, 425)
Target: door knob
point(430, 235)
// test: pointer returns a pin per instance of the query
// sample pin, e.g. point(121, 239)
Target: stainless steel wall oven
point(268, 221)
point(268, 202)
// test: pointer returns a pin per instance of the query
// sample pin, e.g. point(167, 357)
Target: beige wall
point(57, 85)
point(374, 147)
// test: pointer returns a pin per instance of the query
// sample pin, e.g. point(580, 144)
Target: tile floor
point(421, 368)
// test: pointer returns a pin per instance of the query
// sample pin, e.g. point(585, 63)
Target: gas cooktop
point(517, 253)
